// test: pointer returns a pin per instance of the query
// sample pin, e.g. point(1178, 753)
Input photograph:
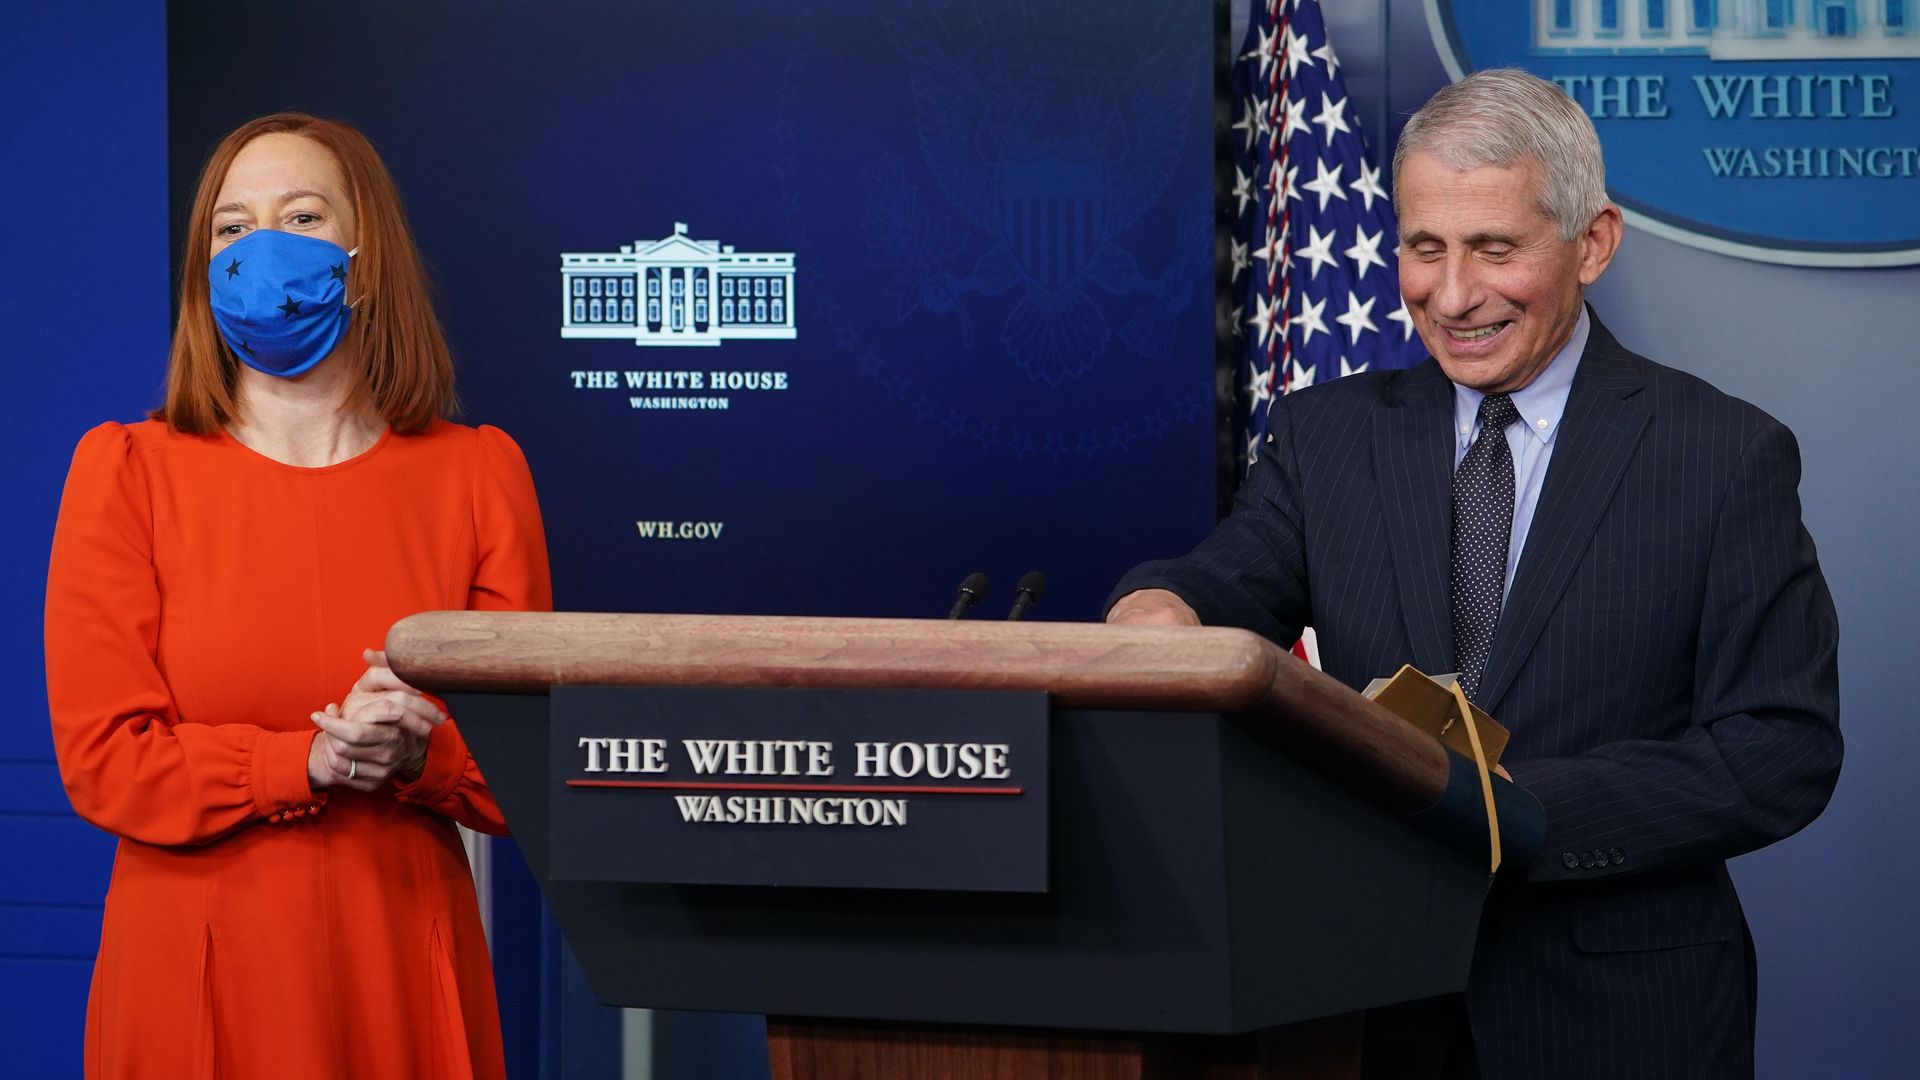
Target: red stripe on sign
point(875, 789)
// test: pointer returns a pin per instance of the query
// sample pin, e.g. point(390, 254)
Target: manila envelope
point(1427, 702)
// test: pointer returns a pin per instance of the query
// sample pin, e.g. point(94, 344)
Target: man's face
point(1493, 290)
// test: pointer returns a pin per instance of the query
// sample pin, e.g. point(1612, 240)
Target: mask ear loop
point(351, 304)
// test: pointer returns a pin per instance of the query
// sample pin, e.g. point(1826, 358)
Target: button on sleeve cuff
point(279, 771)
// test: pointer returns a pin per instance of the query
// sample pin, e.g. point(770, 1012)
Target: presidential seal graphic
point(1045, 149)
point(1775, 130)
point(677, 291)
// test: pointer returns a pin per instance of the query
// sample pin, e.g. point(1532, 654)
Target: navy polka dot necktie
point(1482, 530)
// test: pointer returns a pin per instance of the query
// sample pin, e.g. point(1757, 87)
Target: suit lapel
point(1605, 416)
point(1413, 464)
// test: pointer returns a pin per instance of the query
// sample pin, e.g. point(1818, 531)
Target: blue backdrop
point(83, 319)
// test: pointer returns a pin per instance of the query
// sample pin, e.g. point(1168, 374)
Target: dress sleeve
point(130, 763)
point(509, 574)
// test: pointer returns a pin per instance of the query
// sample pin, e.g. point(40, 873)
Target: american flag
point(1315, 273)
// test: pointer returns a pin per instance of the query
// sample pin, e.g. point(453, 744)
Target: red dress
point(202, 601)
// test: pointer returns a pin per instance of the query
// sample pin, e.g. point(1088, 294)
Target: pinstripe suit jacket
point(1665, 660)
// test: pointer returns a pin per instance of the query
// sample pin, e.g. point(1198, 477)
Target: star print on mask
point(232, 269)
point(291, 307)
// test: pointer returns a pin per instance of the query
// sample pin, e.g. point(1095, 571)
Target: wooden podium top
point(1081, 665)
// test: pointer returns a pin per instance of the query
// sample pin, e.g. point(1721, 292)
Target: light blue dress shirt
point(1540, 403)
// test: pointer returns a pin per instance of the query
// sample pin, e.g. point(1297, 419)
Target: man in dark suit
point(1610, 553)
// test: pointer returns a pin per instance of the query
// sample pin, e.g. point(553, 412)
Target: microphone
point(1028, 593)
point(971, 590)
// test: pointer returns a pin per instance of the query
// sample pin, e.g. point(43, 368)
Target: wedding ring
point(353, 767)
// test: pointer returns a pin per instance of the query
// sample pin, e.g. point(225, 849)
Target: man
point(1609, 552)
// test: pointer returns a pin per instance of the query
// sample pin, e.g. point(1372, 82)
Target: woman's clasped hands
point(379, 731)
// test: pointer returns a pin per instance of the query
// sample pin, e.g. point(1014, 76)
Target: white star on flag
point(1368, 186)
point(1249, 121)
point(1309, 319)
point(1326, 184)
point(1330, 115)
point(1265, 52)
point(1297, 53)
point(1358, 316)
point(1267, 314)
point(1259, 385)
point(1325, 52)
point(1365, 252)
point(1295, 120)
point(1319, 250)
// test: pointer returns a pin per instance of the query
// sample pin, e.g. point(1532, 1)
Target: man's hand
point(1152, 607)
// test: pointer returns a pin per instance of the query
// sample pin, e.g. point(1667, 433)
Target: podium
point(1228, 880)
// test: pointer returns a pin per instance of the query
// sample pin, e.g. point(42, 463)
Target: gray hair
point(1506, 117)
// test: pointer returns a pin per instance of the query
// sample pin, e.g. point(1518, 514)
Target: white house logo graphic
point(677, 291)
point(1727, 29)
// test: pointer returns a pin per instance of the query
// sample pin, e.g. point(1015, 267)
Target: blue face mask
point(279, 299)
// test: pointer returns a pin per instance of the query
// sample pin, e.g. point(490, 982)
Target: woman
point(290, 897)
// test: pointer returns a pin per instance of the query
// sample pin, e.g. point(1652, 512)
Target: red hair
point(406, 372)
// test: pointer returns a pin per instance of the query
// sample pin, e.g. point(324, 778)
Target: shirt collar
point(1542, 401)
